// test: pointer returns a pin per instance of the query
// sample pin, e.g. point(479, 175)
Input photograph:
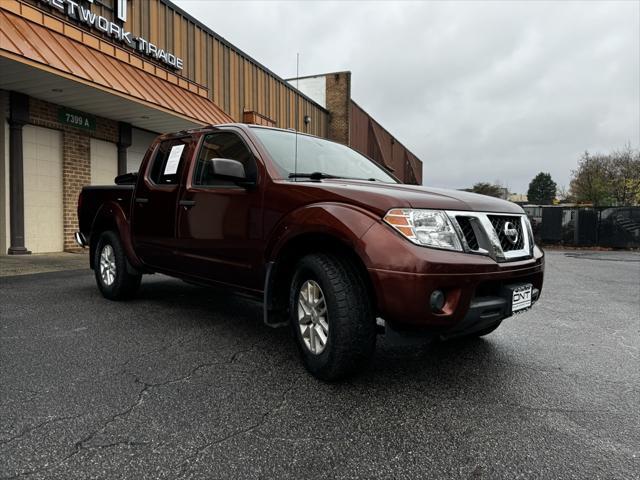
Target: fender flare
point(346, 223)
point(111, 213)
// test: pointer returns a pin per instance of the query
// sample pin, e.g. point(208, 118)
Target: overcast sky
point(479, 91)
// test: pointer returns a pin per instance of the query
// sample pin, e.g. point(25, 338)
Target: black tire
point(351, 335)
point(124, 284)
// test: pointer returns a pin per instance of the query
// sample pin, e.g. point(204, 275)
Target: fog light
point(437, 301)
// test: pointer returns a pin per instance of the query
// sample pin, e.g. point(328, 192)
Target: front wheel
point(331, 317)
point(110, 268)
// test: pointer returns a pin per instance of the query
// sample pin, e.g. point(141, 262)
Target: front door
point(220, 222)
point(155, 204)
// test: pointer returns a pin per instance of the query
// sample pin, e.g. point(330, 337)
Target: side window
point(167, 164)
point(222, 145)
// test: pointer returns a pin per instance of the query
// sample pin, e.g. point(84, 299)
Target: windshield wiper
point(313, 175)
point(321, 175)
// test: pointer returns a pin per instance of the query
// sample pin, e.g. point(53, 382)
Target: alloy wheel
point(313, 320)
point(107, 265)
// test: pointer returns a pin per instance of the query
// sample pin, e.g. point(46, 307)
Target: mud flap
point(272, 317)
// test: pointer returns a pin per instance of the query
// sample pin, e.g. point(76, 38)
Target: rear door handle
point(142, 200)
point(187, 203)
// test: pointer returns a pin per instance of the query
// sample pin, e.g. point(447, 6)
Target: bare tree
point(612, 179)
point(486, 188)
point(564, 195)
point(624, 170)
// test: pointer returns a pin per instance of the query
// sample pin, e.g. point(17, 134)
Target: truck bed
point(94, 197)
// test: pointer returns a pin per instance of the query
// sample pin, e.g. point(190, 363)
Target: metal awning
point(48, 65)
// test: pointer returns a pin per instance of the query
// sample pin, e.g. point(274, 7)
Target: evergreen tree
point(542, 189)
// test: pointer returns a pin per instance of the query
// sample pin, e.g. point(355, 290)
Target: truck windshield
point(317, 155)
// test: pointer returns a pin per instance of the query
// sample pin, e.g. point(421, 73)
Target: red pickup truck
point(332, 243)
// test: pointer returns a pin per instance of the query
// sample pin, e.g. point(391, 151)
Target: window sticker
point(174, 160)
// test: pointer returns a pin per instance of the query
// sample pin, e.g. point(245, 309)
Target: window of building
point(167, 163)
point(222, 145)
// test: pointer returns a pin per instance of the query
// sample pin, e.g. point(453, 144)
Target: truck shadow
point(232, 315)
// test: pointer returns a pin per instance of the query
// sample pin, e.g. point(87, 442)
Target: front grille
point(508, 242)
point(467, 231)
point(488, 234)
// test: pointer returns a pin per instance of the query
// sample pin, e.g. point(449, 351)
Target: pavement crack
point(40, 425)
point(127, 443)
point(141, 394)
point(532, 408)
point(175, 342)
point(293, 439)
point(248, 429)
point(84, 443)
point(81, 444)
point(197, 368)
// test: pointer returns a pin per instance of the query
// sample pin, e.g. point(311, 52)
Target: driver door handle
point(187, 203)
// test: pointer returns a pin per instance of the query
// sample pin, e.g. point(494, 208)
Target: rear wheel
point(331, 317)
point(110, 268)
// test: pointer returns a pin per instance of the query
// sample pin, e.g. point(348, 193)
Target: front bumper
point(404, 279)
point(483, 313)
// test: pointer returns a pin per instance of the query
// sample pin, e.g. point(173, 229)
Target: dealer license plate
point(521, 297)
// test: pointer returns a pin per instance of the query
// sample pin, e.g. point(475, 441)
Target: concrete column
point(19, 115)
point(124, 142)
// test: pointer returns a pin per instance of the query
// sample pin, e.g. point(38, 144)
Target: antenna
point(295, 161)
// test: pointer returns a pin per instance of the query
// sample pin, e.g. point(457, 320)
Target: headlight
point(429, 228)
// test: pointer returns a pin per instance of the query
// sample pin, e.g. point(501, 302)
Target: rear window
point(168, 161)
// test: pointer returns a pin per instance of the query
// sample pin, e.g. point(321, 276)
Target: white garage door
point(104, 162)
point(43, 221)
point(140, 141)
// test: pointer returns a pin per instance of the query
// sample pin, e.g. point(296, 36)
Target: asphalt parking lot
point(184, 382)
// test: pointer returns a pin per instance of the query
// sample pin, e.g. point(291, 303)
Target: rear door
point(220, 222)
point(155, 203)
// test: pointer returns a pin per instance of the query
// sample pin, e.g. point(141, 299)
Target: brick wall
point(76, 173)
point(45, 114)
point(76, 159)
point(255, 118)
point(338, 103)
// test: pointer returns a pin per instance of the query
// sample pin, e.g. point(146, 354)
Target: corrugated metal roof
point(55, 51)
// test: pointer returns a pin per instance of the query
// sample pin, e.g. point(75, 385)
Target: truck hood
point(383, 196)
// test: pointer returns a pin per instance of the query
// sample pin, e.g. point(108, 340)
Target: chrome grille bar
point(483, 234)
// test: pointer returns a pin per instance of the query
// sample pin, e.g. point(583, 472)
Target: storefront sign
point(76, 119)
point(73, 9)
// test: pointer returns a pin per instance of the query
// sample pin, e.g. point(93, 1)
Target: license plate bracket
point(519, 297)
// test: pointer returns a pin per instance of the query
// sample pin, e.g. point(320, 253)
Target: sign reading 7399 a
point(76, 119)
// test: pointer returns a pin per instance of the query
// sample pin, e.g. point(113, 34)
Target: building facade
point(350, 124)
point(85, 86)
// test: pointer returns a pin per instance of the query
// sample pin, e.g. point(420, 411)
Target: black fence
point(615, 227)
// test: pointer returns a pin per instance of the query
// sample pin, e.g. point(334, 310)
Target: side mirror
point(227, 169)
point(127, 179)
